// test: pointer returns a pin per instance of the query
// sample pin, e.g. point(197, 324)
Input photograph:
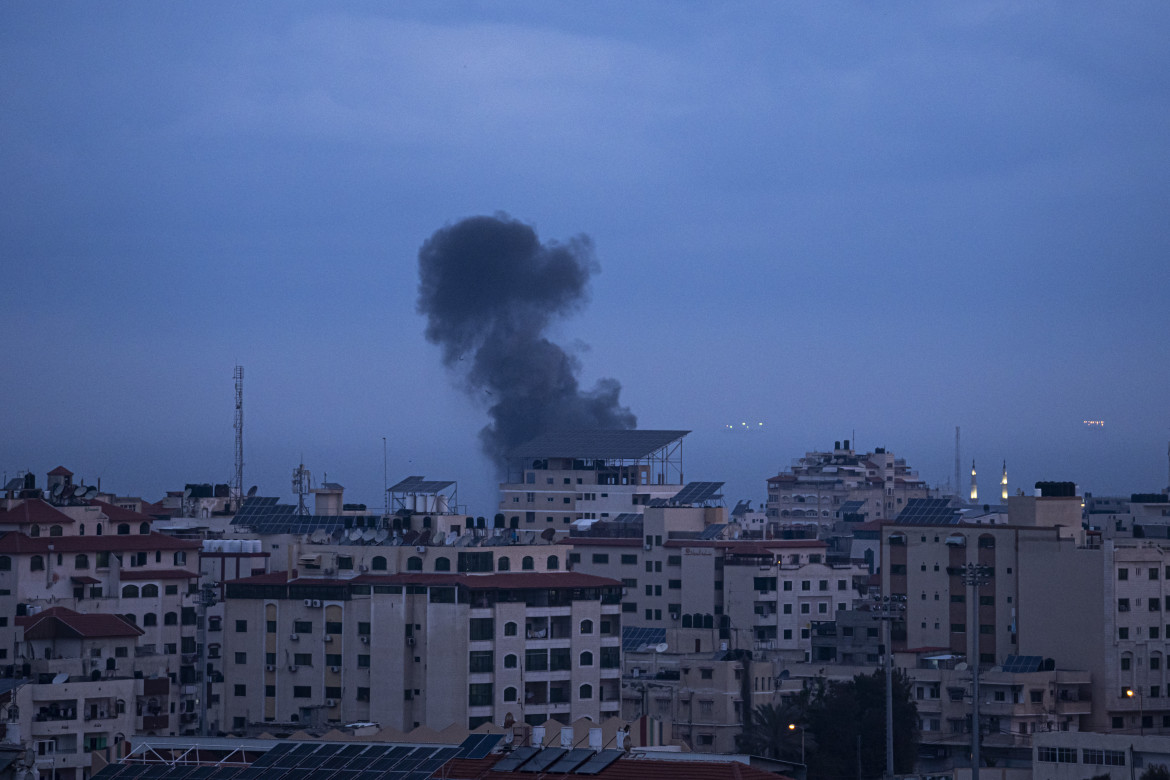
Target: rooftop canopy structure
point(656, 453)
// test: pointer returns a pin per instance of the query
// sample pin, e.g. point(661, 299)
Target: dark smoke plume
point(489, 289)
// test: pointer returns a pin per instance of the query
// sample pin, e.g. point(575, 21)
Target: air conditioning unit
point(317, 603)
point(410, 641)
point(363, 567)
point(292, 667)
point(335, 669)
point(331, 702)
point(365, 640)
point(420, 549)
point(328, 638)
point(270, 668)
point(328, 570)
point(647, 546)
point(293, 637)
point(308, 602)
point(674, 616)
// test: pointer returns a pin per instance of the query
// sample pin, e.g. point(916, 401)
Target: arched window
point(553, 563)
point(171, 619)
point(504, 564)
point(442, 564)
point(123, 529)
point(144, 528)
point(5, 563)
point(55, 530)
point(99, 529)
point(35, 531)
point(149, 591)
point(586, 659)
point(36, 563)
point(414, 563)
point(81, 561)
point(708, 621)
point(81, 529)
point(130, 617)
point(378, 564)
point(509, 694)
point(180, 558)
point(509, 629)
point(111, 665)
point(150, 619)
point(510, 661)
point(686, 621)
point(585, 692)
point(586, 626)
point(129, 591)
point(527, 564)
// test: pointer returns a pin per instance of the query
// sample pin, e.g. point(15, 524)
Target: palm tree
point(775, 731)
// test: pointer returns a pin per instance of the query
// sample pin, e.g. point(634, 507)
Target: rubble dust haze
point(489, 289)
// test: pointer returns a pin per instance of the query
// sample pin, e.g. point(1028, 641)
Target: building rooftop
point(62, 623)
point(598, 445)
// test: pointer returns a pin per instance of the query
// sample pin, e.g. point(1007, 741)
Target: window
point(1056, 755)
point(1125, 663)
point(586, 626)
point(442, 564)
point(585, 692)
point(509, 694)
point(586, 659)
point(129, 591)
point(241, 626)
point(81, 561)
point(504, 564)
point(481, 628)
point(240, 690)
point(527, 563)
point(302, 691)
point(629, 560)
point(123, 529)
point(1123, 633)
point(5, 563)
point(600, 558)
point(509, 629)
point(36, 563)
point(150, 619)
point(480, 661)
point(363, 661)
point(241, 658)
point(303, 626)
point(1123, 574)
point(378, 563)
point(171, 619)
point(510, 661)
point(553, 563)
point(1103, 757)
point(414, 563)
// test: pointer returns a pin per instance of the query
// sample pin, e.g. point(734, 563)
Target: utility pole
point(975, 575)
point(888, 609)
point(207, 600)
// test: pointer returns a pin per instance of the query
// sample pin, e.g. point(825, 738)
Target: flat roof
point(595, 444)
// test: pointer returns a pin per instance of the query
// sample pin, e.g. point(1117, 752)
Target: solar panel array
point(556, 760)
point(697, 493)
point(420, 485)
point(928, 511)
point(478, 745)
point(713, 531)
point(1022, 663)
point(306, 761)
point(264, 515)
point(853, 507)
point(634, 637)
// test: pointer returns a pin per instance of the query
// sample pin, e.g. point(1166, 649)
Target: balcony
point(155, 722)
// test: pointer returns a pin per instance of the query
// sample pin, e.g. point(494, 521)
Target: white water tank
point(441, 504)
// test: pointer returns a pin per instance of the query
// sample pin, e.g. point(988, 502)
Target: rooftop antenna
point(238, 487)
point(301, 484)
point(958, 467)
point(385, 482)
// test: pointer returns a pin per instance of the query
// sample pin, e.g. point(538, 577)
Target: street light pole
point(793, 727)
point(1130, 693)
point(974, 575)
point(888, 609)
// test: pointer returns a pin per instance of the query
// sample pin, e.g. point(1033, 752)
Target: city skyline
point(842, 222)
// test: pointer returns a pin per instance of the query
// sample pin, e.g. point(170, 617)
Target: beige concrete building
point(1076, 756)
point(561, 478)
point(408, 649)
point(819, 484)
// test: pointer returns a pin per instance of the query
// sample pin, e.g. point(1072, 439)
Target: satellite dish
point(187, 493)
point(319, 536)
point(661, 647)
point(93, 491)
point(368, 535)
point(79, 491)
point(252, 490)
point(548, 534)
point(961, 666)
point(62, 677)
point(354, 534)
point(56, 491)
point(381, 535)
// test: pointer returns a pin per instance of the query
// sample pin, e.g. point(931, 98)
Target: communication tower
point(301, 485)
point(238, 486)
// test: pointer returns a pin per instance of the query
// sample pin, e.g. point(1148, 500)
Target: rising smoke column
point(489, 289)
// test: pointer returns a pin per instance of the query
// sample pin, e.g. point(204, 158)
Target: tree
point(1156, 772)
point(849, 722)
point(767, 733)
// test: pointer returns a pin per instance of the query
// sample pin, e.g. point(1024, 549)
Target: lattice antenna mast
point(958, 466)
point(238, 487)
point(301, 485)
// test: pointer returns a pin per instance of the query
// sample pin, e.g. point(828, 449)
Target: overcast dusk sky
point(887, 218)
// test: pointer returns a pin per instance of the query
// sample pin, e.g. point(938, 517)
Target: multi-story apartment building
point(818, 485)
point(561, 478)
point(75, 558)
point(408, 649)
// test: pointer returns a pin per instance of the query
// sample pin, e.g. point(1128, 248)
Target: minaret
point(1003, 483)
point(974, 487)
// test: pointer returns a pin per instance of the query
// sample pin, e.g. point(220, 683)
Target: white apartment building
point(818, 485)
point(561, 478)
point(408, 649)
